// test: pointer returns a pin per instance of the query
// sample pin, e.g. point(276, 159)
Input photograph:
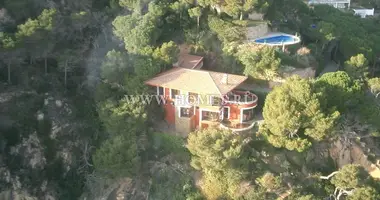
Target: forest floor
point(163, 126)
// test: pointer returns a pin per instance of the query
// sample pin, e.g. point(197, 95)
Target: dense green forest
point(67, 132)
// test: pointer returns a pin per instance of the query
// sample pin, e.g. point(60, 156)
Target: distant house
point(189, 61)
point(197, 98)
point(334, 3)
point(363, 13)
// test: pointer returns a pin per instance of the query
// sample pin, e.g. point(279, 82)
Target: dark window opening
point(247, 115)
point(216, 101)
point(193, 97)
point(160, 91)
point(226, 112)
point(210, 116)
point(174, 93)
point(186, 112)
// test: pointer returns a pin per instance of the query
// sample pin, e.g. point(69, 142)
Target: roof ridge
point(199, 70)
point(196, 80)
point(166, 72)
point(216, 85)
point(196, 64)
point(209, 71)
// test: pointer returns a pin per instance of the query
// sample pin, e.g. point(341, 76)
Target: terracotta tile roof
point(188, 61)
point(197, 81)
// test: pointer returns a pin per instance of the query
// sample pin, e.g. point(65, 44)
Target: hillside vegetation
point(68, 132)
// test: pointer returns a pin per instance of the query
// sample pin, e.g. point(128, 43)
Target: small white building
point(363, 13)
point(334, 3)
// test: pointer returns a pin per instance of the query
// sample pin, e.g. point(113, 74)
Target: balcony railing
point(237, 126)
point(241, 97)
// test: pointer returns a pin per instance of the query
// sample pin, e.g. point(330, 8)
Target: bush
point(168, 184)
point(257, 194)
point(243, 23)
point(226, 31)
point(165, 144)
point(216, 186)
point(290, 60)
point(260, 62)
point(340, 90)
point(374, 85)
point(117, 157)
point(369, 110)
point(270, 182)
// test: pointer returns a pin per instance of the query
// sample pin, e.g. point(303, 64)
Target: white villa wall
point(334, 3)
point(363, 13)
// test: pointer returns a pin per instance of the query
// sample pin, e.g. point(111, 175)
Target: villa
point(363, 12)
point(334, 3)
point(197, 98)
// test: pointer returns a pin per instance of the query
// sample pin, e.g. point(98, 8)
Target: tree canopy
point(346, 90)
point(223, 158)
point(117, 156)
point(72, 123)
point(356, 35)
point(139, 31)
point(354, 182)
point(295, 117)
point(260, 62)
point(374, 85)
point(357, 67)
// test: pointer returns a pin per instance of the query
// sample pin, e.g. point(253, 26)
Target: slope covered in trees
point(68, 132)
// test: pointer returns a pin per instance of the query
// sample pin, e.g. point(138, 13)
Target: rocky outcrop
point(344, 152)
point(259, 30)
point(305, 73)
point(336, 154)
point(41, 145)
point(325, 156)
point(255, 16)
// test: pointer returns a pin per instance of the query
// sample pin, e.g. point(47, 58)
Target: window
point(173, 93)
point(160, 91)
point(210, 116)
point(193, 97)
point(186, 112)
point(215, 101)
point(247, 115)
point(226, 112)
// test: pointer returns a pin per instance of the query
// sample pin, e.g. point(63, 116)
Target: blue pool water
point(279, 39)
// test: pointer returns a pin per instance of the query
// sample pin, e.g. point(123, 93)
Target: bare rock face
point(5, 19)
point(305, 73)
point(255, 16)
point(40, 145)
point(111, 189)
point(15, 195)
point(345, 152)
point(257, 31)
point(32, 152)
point(59, 111)
point(340, 152)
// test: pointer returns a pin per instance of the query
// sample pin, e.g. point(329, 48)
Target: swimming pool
point(278, 39)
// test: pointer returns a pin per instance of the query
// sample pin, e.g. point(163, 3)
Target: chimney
point(225, 79)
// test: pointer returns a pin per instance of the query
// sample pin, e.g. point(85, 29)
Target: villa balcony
point(236, 125)
point(210, 119)
point(241, 98)
point(235, 112)
point(241, 108)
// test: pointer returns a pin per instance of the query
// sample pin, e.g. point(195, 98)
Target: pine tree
point(294, 116)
